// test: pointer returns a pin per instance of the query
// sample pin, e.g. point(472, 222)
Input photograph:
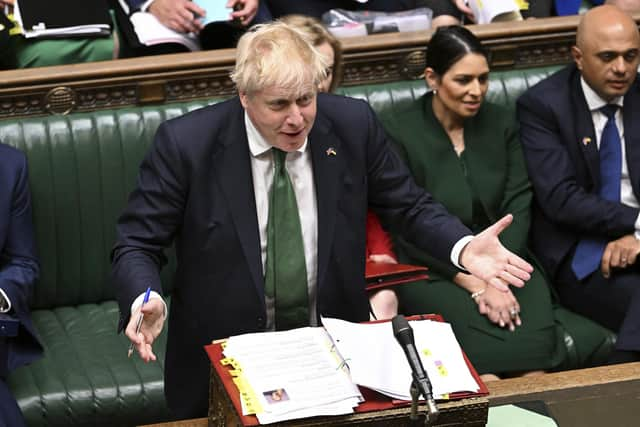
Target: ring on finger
point(513, 313)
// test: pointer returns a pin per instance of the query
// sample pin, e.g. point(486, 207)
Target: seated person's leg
point(614, 303)
point(491, 349)
point(587, 343)
point(384, 304)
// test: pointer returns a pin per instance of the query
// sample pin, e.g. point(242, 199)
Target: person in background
point(264, 197)
point(473, 164)
point(19, 270)
point(186, 16)
point(384, 303)
point(29, 53)
point(579, 131)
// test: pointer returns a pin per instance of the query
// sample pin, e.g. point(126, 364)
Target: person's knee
point(384, 304)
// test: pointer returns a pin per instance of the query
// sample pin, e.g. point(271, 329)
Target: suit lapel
point(632, 136)
point(233, 167)
point(585, 135)
point(328, 165)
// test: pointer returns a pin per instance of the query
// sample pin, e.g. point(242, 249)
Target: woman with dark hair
point(466, 153)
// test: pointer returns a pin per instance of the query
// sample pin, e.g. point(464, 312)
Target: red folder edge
point(381, 275)
point(374, 401)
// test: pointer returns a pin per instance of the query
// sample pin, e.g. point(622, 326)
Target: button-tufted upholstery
point(82, 168)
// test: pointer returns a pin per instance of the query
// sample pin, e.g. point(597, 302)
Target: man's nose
point(619, 65)
point(295, 116)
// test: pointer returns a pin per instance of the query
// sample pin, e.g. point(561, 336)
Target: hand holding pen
point(145, 325)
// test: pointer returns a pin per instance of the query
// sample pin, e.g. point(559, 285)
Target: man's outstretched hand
point(485, 257)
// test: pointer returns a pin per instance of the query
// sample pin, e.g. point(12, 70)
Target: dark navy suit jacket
point(18, 272)
point(195, 189)
point(18, 263)
point(559, 143)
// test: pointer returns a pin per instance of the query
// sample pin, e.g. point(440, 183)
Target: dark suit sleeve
point(19, 262)
point(517, 195)
point(553, 175)
point(149, 222)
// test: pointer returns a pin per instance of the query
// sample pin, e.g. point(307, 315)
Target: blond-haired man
point(213, 184)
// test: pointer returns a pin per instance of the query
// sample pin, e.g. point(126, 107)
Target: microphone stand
point(420, 383)
point(415, 393)
point(431, 414)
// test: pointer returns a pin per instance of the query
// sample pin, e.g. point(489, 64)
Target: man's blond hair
point(277, 55)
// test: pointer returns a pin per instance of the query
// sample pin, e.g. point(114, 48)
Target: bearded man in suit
point(581, 139)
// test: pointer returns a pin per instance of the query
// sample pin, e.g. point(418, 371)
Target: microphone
point(404, 335)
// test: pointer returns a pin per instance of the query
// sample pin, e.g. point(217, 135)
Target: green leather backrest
point(83, 166)
point(81, 170)
point(504, 88)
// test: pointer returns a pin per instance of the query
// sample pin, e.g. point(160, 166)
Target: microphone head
point(402, 330)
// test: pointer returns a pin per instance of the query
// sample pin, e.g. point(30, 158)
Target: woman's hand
point(464, 8)
point(500, 307)
point(183, 16)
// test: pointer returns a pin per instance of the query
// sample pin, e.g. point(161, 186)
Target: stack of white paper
point(292, 374)
point(314, 371)
point(376, 360)
point(150, 32)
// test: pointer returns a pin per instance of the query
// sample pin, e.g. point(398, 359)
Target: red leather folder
point(381, 275)
point(374, 401)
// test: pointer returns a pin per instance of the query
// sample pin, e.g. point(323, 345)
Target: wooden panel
point(567, 385)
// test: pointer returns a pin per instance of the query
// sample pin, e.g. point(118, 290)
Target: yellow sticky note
point(522, 4)
point(250, 402)
point(442, 370)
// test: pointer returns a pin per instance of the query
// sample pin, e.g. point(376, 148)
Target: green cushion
point(85, 378)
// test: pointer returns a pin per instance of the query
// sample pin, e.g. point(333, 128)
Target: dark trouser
point(10, 414)
point(612, 302)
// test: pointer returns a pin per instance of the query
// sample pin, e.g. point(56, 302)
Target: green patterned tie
point(286, 275)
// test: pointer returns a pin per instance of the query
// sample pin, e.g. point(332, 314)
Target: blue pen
point(140, 318)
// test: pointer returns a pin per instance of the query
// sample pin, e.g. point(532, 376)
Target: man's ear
point(243, 99)
point(577, 56)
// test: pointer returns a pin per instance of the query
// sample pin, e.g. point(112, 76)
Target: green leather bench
point(82, 167)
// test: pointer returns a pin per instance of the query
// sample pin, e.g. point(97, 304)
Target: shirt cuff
point(637, 227)
point(457, 250)
point(145, 5)
point(153, 294)
point(5, 308)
